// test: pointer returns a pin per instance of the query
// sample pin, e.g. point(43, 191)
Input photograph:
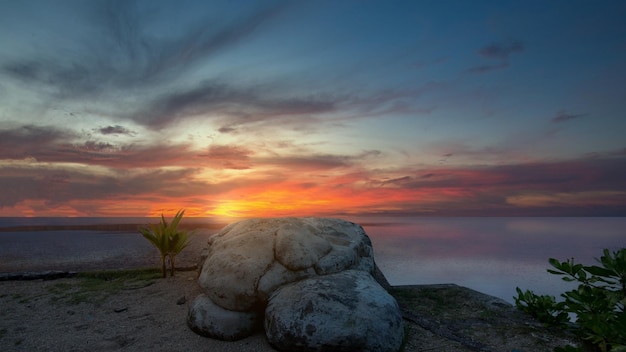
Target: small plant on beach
point(168, 239)
point(598, 302)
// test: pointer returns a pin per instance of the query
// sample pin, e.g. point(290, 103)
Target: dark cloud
point(31, 133)
point(93, 146)
point(48, 144)
point(501, 50)
point(26, 71)
point(125, 156)
point(227, 130)
point(29, 141)
point(57, 187)
point(116, 129)
point(563, 116)
point(586, 174)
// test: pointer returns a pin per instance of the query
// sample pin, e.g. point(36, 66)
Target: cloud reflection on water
point(492, 255)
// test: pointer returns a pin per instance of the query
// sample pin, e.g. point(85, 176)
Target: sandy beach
point(64, 315)
point(142, 312)
point(136, 310)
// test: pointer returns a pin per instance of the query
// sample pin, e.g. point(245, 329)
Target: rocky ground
point(140, 312)
point(455, 318)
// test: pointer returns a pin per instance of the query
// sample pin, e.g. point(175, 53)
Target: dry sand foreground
point(44, 316)
point(141, 313)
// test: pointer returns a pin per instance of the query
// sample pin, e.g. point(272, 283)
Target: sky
point(313, 108)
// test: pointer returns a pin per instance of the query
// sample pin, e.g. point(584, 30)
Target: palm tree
point(177, 240)
point(167, 239)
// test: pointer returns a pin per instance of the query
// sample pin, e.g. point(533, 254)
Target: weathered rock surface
point(248, 261)
point(208, 319)
point(347, 311)
point(447, 317)
point(250, 258)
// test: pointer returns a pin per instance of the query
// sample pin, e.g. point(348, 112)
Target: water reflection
point(492, 255)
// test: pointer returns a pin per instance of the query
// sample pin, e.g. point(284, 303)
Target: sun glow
point(262, 208)
point(228, 209)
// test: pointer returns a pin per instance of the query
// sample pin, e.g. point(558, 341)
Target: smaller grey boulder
point(347, 311)
point(208, 319)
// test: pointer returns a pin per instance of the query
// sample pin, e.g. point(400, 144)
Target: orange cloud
point(317, 185)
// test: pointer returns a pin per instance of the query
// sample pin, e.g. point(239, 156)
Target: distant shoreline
point(128, 227)
point(102, 227)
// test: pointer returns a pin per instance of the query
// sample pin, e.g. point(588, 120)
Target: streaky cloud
point(488, 68)
point(122, 54)
point(236, 106)
point(228, 152)
point(318, 162)
point(397, 181)
point(563, 116)
point(588, 174)
point(228, 156)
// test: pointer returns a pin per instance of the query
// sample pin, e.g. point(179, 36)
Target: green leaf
point(555, 263)
point(555, 272)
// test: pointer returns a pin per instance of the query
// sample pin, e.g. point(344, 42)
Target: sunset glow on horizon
point(272, 108)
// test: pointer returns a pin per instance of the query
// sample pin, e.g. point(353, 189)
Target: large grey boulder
point(347, 311)
point(249, 261)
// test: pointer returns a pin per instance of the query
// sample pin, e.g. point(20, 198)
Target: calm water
point(491, 255)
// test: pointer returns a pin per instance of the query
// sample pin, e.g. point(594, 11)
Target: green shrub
point(598, 301)
point(544, 308)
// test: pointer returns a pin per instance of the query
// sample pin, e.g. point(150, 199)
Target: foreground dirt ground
point(146, 313)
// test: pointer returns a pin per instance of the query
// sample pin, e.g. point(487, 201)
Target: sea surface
point(491, 255)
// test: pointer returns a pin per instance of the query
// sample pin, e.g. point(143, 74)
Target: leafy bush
point(168, 239)
point(598, 302)
point(544, 308)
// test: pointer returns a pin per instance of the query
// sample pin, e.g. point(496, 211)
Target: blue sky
point(263, 108)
